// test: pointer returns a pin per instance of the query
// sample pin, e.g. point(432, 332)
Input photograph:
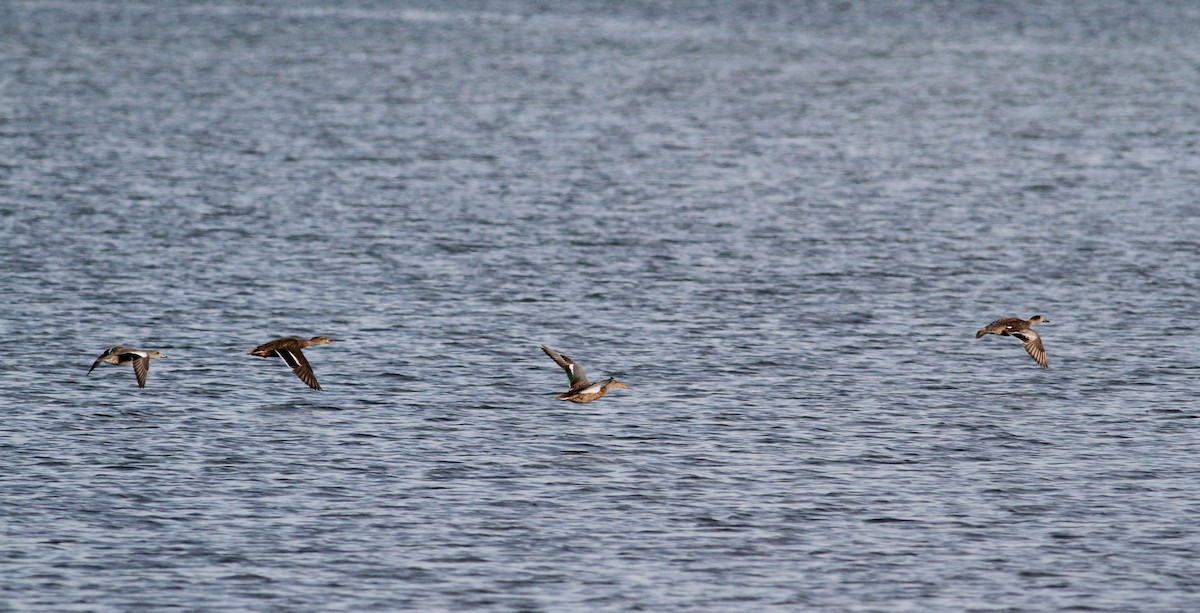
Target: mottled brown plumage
point(288, 350)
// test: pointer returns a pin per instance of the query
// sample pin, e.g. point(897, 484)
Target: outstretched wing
point(141, 368)
point(295, 359)
point(574, 370)
point(107, 352)
point(1033, 346)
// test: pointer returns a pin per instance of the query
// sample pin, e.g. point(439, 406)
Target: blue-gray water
point(781, 224)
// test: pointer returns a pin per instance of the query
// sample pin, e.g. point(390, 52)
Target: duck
point(288, 350)
point(120, 355)
point(1023, 330)
point(581, 390)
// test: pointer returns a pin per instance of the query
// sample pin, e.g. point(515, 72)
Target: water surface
point(780, 224)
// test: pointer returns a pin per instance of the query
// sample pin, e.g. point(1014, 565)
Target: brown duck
point(288, 350)
point(581, 390)
point(1023, 330)
point(120, 355)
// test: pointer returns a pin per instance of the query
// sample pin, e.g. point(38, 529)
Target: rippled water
point(780, 224)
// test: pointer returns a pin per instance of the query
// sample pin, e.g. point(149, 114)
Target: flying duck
point(1023, 330)
point(581, 391)
point(120, 355)
point(288, 349)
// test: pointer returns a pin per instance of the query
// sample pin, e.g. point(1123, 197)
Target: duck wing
point(107, 352)
point(99, 361)
point(1033, 346)
point(296, 360)
point(141, 366)
point(574, 370)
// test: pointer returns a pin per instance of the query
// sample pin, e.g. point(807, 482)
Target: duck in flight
point(1022, 330)
point(581, 391)
point(120, 355)
point(288, 350)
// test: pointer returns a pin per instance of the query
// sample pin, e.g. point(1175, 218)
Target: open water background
point(780, 223)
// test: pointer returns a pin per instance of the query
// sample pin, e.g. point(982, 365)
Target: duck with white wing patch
point(1022, 330)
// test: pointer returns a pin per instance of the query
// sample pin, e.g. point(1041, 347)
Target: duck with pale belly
point(120, 355)
point(581, 391)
